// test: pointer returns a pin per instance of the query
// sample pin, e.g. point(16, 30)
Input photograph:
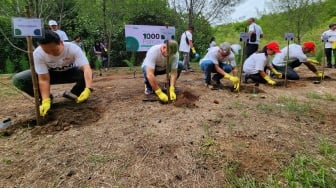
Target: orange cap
point(310, 45)
point(273, 46)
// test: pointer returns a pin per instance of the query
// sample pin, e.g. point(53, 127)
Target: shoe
point(246, 77)
point(212, 87)
point(217, 82)
point(190, 70)
point(329, 66)
point(148, 91)
point(69, 95)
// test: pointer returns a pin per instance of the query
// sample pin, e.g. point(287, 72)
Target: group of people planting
point(58, 62)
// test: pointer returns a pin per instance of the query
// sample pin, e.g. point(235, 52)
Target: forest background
point(104, 20)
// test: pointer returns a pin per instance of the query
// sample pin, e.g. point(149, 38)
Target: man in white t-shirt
point(330, 45)
point(54, 27)
point(297, 56)
point(57, 62)
point(155, 63)
point(220, 60)
point(255, 33)
point(186, 43)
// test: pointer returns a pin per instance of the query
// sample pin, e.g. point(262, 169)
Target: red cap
point(310, 45)
point(273, 46)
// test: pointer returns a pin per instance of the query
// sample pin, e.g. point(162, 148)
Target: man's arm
point(87, 75)
point(191, 44)
point(173, 77)
point(235, 71)
point(44, 85)
point(219, 70)
point(310, 66)
point(151, 78)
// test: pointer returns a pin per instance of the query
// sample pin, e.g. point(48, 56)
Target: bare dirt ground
point(204, 139)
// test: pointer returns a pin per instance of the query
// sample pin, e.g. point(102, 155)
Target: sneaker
point(246, 77)
point(190, 70)
point(148, 91)
point(69, 95)
point(329, 66)
point(217, 82)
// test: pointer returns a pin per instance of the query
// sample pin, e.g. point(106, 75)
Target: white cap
point(52, 22)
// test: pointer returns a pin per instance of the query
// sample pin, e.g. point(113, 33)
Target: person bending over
point(57, 62)
point(254, 67)
point(155, 63)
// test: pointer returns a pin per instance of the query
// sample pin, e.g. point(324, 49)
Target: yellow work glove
point(319, 74)
point(276, 73)
point(162, 96)
point(172, 93)
point(193, 50)
point(234, 80)
point(269, 80)
point(84, 95)
point(45, 106)
point(313, 61)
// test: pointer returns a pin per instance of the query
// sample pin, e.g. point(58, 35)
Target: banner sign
point(142, 37)
point(24, 27)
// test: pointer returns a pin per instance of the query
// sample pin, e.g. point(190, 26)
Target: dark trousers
point(179, 70)
point(23, 80)
point(250, 49)
point(291, 74)
point(257, 78)
point(186, 60)
point(329, 52)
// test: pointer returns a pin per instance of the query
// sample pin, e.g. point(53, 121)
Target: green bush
point(9, 66)
point(24, 64)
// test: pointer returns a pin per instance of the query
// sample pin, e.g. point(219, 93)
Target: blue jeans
point(148, 86)
point(208, 67)
point(291, 74)
point(23, 80)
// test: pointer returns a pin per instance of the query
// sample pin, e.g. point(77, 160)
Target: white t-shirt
point(295, 53)
point(212, 44)
point(236, 48)
point(255, 63)
point(72, 56)
point(331, 35)
point(63, 36)
point(257, 30)
point(216, 58)
point(184, 47)
point(155, 60)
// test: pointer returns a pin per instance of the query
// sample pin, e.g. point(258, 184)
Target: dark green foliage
point(103, 21)
point(9, 66)
point(24, 64)
point(92, 21)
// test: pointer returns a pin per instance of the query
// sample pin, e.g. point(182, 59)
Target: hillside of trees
point(104, 20)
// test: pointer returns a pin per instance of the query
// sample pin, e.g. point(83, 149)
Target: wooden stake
point(32, 69)
point(288, 37)
point(244, 36)
point(168, 67)
point(287, 61)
